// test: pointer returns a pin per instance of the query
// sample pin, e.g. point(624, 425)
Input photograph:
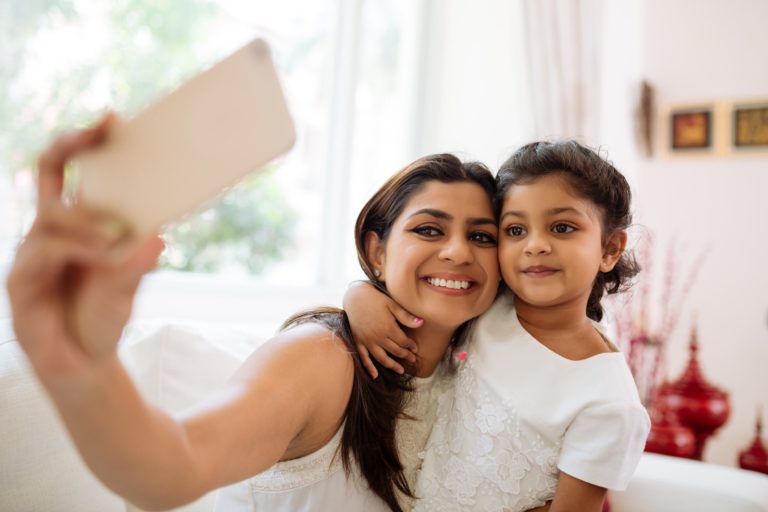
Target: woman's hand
point(70, 296)
point(374, 319)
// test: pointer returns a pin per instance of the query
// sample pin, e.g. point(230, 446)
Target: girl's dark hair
point(375, 405)
point(592, 178)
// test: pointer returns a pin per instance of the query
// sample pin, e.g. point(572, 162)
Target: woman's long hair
point(376, 404)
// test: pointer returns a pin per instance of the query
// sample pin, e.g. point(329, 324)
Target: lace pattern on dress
point(480, 455)
point(307, 470)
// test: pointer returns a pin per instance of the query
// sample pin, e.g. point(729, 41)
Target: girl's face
point(550, 243)
point(440, 261)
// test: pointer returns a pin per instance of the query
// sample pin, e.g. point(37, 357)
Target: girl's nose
point(537, 244)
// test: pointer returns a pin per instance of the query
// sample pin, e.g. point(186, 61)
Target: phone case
point(186, 148)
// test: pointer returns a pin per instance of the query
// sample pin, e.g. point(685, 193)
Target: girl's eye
point(483, 238)
point(516, 230)
point(429, 231)
point(563, 228)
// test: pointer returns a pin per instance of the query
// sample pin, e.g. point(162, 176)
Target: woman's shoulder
point(312, 341)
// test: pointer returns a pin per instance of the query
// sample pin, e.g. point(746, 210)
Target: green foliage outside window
point(150, 47)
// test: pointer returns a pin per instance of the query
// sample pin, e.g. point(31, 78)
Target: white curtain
point(564, 45)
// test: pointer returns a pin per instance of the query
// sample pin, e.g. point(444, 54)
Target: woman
point(428, 238)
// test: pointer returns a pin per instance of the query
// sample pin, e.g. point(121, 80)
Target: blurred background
point(372, 85)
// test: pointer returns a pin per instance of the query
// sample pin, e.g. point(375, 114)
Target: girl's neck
point(553, 321)
point(433, 341)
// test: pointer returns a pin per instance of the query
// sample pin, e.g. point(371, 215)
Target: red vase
point(697, 404)
point(668, 436)
point(755, 458)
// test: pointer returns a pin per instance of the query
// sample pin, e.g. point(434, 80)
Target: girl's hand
point(374, 319)
point(70, 297)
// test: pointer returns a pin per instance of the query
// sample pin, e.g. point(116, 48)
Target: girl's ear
point(374, 251)
point(613, 249)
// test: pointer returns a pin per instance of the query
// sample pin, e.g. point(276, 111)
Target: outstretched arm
point(374, 317)
point(70, 300)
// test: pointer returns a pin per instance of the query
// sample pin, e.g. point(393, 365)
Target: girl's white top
point(518, 413)
point(317, 482)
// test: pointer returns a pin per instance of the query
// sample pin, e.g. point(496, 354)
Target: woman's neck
point(433, 341)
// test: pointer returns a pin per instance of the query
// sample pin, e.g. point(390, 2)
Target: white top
point(519, 412)
point(317, 482)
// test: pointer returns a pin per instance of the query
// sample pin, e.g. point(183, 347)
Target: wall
point(701, 51)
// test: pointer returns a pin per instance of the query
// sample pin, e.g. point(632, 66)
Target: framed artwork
point(750, 126)
point(691, 129)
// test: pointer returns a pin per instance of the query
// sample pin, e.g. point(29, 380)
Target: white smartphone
point(186, 148)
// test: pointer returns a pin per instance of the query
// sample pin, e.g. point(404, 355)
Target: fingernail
point(417, 320)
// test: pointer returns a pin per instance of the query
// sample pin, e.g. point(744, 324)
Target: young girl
point(544, 411)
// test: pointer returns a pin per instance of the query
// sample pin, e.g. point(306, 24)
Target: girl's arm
point(574, 495)
point(374, 317)
point(70, 299)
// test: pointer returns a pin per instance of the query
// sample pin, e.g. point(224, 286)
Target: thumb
point(405, 317)
point(136, 259)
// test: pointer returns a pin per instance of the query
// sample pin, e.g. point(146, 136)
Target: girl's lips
point(539, 271)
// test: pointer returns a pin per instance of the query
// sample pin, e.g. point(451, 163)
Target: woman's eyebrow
point(481, 221)
point(440, 214)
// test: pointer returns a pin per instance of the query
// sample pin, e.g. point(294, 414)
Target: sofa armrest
point(672, 484)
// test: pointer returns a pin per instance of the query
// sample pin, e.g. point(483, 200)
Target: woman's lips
point(451, 284)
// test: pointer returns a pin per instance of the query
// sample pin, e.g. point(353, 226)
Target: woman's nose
point(458, 250)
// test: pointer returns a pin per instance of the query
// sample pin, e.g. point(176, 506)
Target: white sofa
point(177, 365)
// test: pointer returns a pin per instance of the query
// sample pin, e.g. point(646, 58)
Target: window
point(348, 69)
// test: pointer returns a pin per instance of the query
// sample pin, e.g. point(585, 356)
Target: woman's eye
point(483, 238)
point(563, 228)
point(516, 230)
point(427, 231)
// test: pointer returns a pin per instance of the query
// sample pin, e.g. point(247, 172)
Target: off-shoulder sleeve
point(603, 444)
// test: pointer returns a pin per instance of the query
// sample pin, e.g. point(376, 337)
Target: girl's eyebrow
point(549, 213)
point(440, 214)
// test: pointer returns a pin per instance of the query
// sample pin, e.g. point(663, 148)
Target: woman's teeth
point(448, 283)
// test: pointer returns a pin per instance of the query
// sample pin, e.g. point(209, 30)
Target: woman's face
point(440, 260)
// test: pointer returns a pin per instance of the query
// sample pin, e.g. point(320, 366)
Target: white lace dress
point(517, 414)
point(317, 482)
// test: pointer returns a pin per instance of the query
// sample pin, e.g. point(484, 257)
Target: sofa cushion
point(174, 365)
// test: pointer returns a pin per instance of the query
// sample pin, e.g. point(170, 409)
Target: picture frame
point(750, 126)
point(692, 129)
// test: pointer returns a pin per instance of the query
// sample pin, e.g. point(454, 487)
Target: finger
point(383, 358)
point(50, 164)
point(405, 317)
point(76, 222)
point(134, 259)
point(40, 259)
point(396, 350)
point(365, 358)
point(402, 340)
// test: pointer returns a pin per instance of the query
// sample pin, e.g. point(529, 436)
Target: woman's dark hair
point(376, 404)
point(591, 177)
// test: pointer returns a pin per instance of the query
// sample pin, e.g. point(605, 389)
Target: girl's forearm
point(137, 450)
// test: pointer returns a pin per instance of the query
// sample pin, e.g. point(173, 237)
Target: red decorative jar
point(755, 458)
point(668, 436)
point(697, 404)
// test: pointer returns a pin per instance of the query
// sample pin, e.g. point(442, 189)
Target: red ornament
point(697, 404)
point(755, 458)
point(668, 436)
